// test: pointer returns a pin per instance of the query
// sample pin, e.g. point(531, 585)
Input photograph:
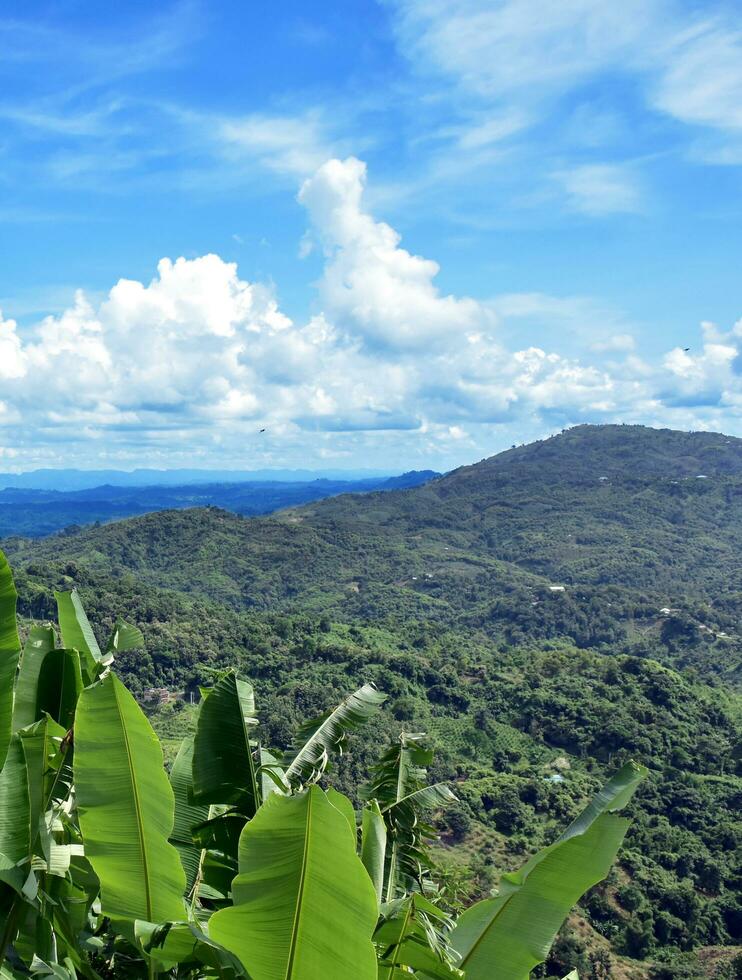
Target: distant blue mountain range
point(67, 479)
point(37, 511)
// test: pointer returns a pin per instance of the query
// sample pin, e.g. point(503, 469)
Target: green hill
point(545, 613)
point(585, 536)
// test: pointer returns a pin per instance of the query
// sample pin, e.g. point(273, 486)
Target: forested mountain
point(588, 536)
point(546, 614)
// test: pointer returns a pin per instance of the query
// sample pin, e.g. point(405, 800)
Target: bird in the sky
point(262, 430)
point(686, 349)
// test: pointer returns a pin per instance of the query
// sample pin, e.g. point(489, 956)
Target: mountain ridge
point(493, 545)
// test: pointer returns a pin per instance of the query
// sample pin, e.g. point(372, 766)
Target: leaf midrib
point(137, 806)
point(300, 892)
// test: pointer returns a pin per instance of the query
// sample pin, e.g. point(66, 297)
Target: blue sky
point(392, 234)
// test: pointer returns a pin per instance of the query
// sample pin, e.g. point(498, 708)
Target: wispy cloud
point(511, 59)
point(601, 189)
point(288, 144)
point(700, 81)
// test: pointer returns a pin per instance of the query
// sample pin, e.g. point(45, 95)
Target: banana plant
point(307, 911)
point(319, 738)
point(237, 866)
point(506, 936)
point(403, 797)
point(10, 650)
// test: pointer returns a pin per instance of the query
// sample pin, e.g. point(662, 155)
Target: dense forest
point(546, 615)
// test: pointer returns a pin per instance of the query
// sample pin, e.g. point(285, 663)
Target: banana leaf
point(411, 937)
point(373, 845)
point(15, 818)
point(76, 631)
point(343, 804)
point(187, 814)
point(59, 687)
point(10, 650)
point(124, 637)
point(184, 943)
point(507, 936)
point(126, 807)
point(399, 787)
point(42, 752)
point(328, 733)
point(26, 709)
point(223, 764)
point(304, 908)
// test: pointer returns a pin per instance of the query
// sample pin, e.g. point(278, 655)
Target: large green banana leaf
point(26, 709)
point(126, 806)
point(74, 626)
point(187, 813)
point(15, 818)
point(223, 764)
point(60, 684)
point(504, 938)
point(304, 907)
point(373, 845)
point(10, 649)
point(328, 733)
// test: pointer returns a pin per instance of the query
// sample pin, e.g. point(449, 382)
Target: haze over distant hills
point(72, 479)
point(36, 512)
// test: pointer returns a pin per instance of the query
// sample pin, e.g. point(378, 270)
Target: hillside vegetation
point(546, 614)
point(237, 864)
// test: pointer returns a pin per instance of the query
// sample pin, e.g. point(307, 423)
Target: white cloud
point(701, 80)
point(601, 189)
point(193, 363)
point(510, 46)
point(620, 343)
point(294, 145)
point(526, 60)
point(371, 286)
point(11, 354)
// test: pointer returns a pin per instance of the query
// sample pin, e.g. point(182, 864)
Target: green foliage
point(223, 764)
point(10, 648)
point(97, 854)
point(507, 936)
point(304, 907)
point(125, 806)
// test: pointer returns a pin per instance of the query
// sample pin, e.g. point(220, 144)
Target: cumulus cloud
point(374, 288)
point(192, 364)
